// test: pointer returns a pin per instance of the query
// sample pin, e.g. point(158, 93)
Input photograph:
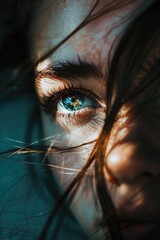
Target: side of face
point(71, 85)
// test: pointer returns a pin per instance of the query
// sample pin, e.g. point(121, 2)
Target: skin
point(129, 162)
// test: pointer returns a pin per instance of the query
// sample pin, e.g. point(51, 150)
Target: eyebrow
point(71, 70)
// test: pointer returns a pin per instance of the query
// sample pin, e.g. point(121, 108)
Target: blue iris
point(74, 102)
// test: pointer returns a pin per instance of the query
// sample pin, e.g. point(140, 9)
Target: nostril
point(129, 163)
point(148, 175)
point(114, 180)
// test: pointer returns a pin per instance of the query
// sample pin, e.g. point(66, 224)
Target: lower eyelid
point(77, 119)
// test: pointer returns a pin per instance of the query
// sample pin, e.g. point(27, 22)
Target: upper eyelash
point(48, 102)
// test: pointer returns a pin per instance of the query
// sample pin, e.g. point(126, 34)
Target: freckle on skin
point(91, 47)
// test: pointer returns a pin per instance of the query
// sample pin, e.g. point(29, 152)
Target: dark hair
point(134, 69)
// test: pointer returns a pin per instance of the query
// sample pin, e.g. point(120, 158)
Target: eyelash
point(79, 117)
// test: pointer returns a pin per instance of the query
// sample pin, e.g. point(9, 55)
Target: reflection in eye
point(74, 107)
point(74, 102)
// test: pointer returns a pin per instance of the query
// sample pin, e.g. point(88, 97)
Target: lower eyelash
point(79, 119)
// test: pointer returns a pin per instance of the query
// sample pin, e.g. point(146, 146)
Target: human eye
point(73, 107)
point(74, 102)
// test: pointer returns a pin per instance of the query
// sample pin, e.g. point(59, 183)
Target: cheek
point(72, 148)
point(71, 135)
point(67, 165)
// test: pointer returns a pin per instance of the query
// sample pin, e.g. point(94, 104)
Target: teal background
point(25, 203)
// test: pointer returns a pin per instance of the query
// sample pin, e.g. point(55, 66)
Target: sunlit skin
point(132, 162)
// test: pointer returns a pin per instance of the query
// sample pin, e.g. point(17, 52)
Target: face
point(71, 87)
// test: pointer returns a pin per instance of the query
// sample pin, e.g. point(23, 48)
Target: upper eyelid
point(65, 74)
point(49, 103)
point(69, 87)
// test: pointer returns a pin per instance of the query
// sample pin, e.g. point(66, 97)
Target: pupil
point(73, 102)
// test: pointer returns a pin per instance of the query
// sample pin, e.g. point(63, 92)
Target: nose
point(133, 158)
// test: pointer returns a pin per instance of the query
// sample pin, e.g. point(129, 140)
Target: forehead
point(54, 20)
